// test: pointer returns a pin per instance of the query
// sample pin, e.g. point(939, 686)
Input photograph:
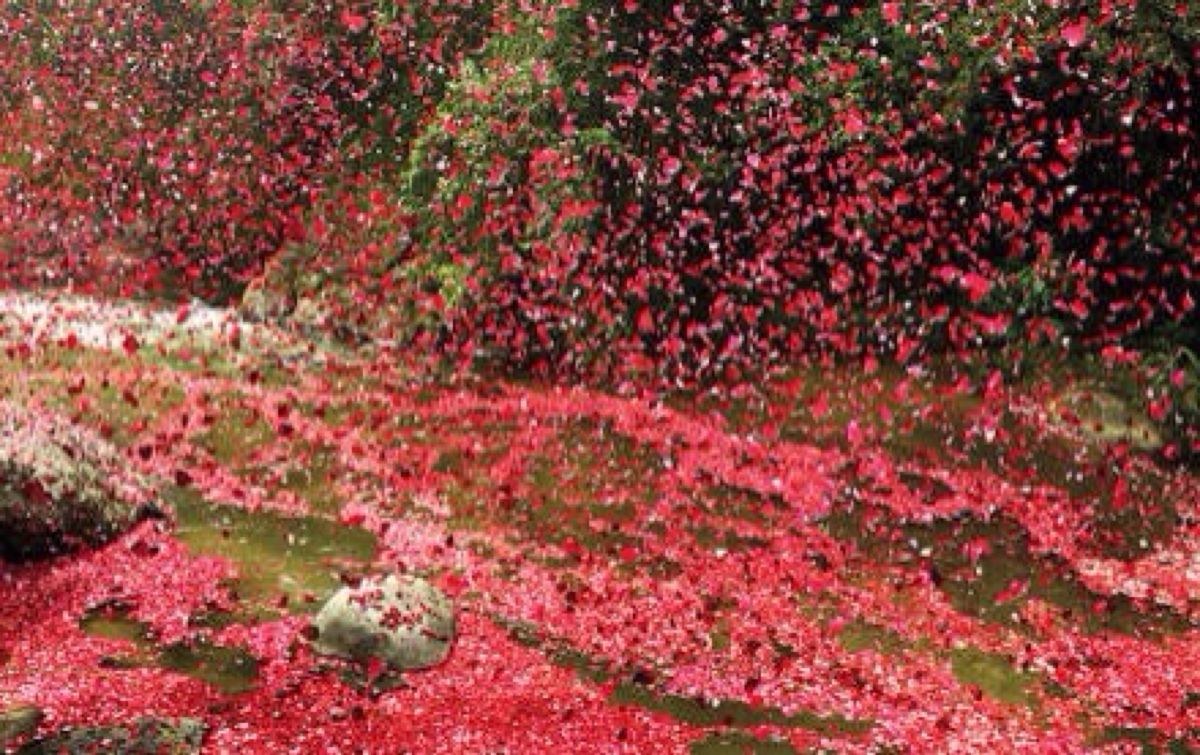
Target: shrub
point(595, 188)
point(777, 179)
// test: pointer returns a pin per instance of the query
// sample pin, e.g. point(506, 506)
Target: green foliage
point(1174, 371)
point(699, 183)
point(933, 58)
point(405, 62)
point(500, 173)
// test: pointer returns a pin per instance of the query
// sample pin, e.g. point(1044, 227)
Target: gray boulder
point(62, 486)
point(404, 621)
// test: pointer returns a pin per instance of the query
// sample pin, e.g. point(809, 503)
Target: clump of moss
point(62, 485)
point(174, 736)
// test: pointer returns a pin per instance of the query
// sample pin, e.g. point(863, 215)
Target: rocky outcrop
point(404, 621)
point(62, 486)
point(1104, 417)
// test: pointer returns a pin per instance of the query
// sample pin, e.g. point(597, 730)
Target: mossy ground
point(581, 494)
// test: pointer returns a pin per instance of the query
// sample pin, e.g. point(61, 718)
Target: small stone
point(406, 622)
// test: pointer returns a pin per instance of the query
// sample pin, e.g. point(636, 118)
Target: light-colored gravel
point(39, 319)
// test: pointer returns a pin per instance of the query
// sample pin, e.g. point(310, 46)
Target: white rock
point(404, 621)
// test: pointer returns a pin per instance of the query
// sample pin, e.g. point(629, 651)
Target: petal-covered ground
point(848, 560)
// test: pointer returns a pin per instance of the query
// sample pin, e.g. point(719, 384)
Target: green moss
point(738, 743)
point(228, 669)
point(281, 560)
point(733, 502)
point(972, 586)
point(862, 635)
point(729, 541)
point(182, 736)
point(719, 635)
point(994, 675)
point(735, 713)
point(1148, 741)
point(236, 432)
point(692, 711)
point(115, 624)
point(313, 479)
